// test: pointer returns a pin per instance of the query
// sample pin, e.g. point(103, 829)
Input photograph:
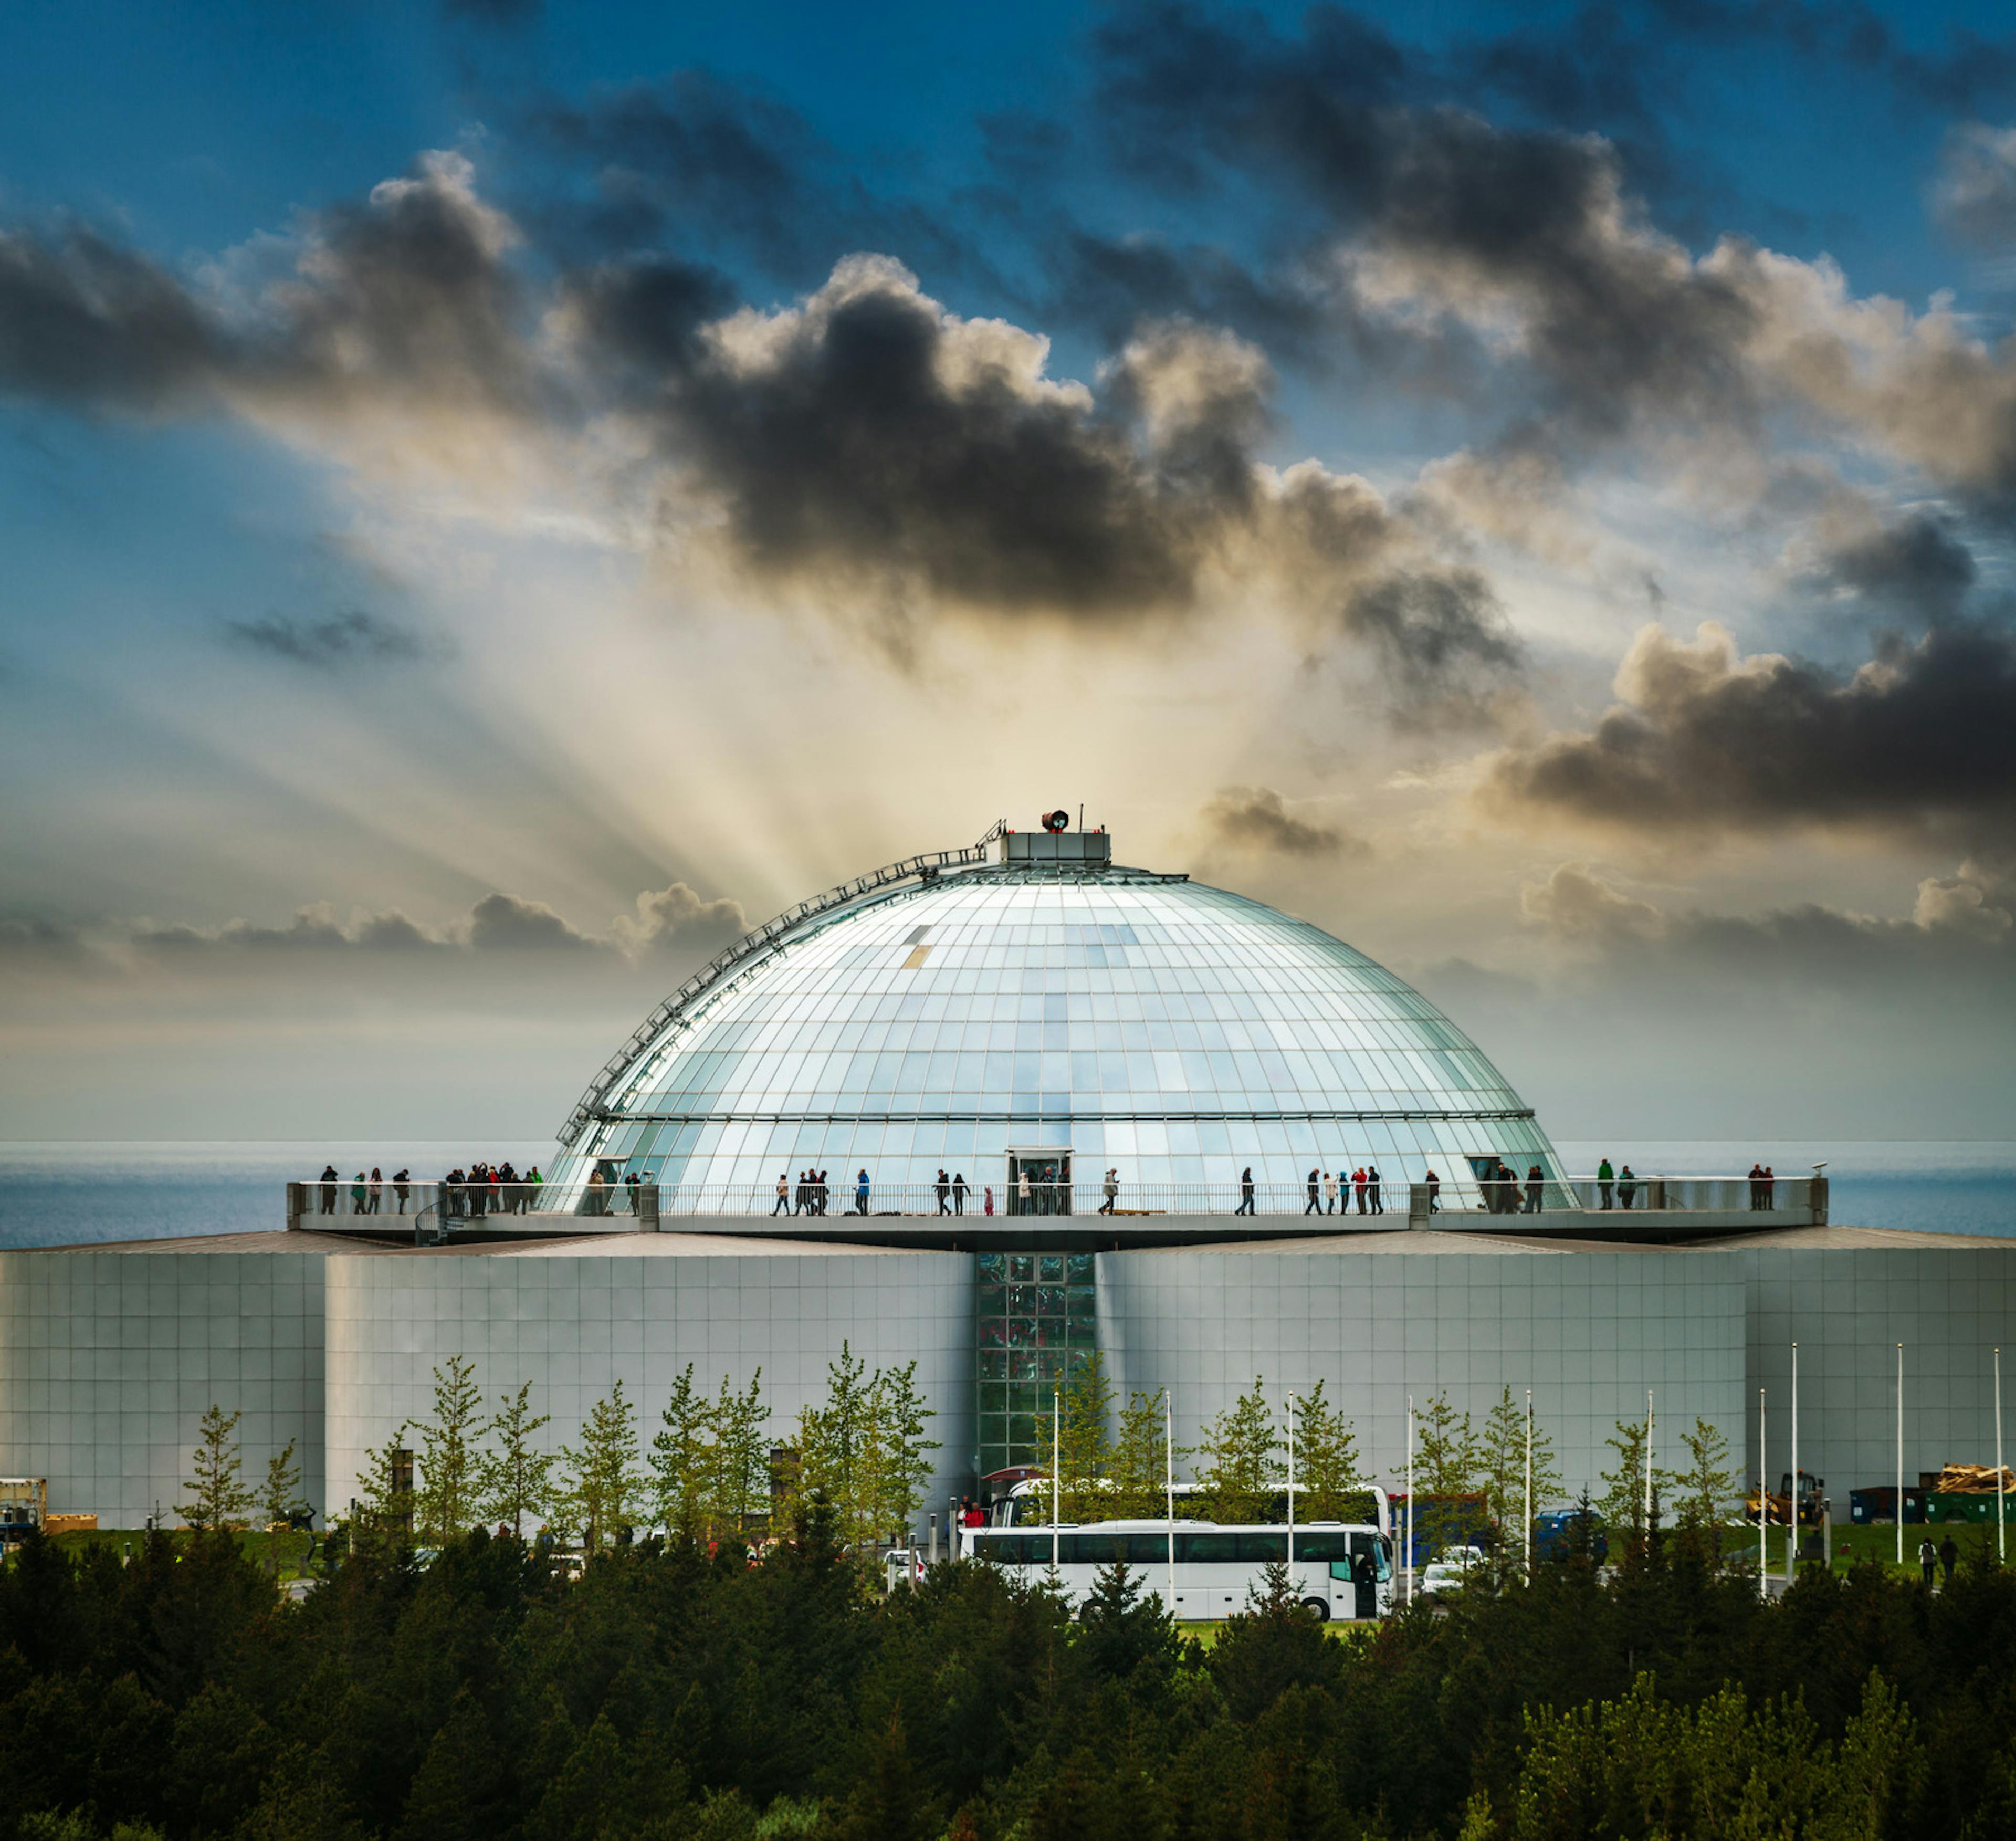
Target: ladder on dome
point(927, 868)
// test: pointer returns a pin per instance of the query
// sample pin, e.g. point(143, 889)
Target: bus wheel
point(1317, 1609)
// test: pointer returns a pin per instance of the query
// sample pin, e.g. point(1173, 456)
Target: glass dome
point(1175, 1032)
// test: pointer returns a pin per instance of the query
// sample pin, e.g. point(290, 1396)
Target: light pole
point(1998, 1454)
point(1900, 1453)
point(1648, 1469)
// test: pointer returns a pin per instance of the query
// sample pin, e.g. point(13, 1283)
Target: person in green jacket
point(533, 1184)
point(1605, 1175)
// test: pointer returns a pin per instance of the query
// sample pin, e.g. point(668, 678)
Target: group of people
point(1330, 1191)
point(1616, 1188)
point(951, 1192)
point(1502, 1192)
point(493, 1189)
point(601, 1182)
point(812, 1193)
point(367, 1194)
point(1762, 1187)
point(482, 1189)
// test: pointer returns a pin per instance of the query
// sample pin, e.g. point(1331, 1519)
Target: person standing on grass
point(1948, 1557)
point(1928, 1561)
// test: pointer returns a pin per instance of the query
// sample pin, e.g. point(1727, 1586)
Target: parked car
point(1556, 1536)
point(1448, 1573)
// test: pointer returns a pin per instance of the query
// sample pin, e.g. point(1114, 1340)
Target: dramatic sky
point(497, 497)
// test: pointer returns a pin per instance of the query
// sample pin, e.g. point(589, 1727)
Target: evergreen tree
point(278, 1500)
point(1327, 1485)
point(1140, 1461)
point(1502, 1465)
point(1241, 1473)
point(1446, 1472)
point(603, 1487)
point(739, 1468)
point(385, 1488)
point(446, 1501)
point(680, 1459)
point(515, 1478)
point(217, 1501)
point(1085, 1439)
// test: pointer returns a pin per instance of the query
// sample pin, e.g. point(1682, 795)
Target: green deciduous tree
point(679, 1459)
point(864, 1452)
point(1240, 1471)
point(515, 1478)
point(1705, 1488)
point(1085, 1438)
point(217, 1500)
point(1445, 1472)
point(1327, 1485)
point(1141, 1460)
point(738, 1463)
point(1502, 1470)
point(895, 1455)
point(446, 1501)
point(603, 1486)
point(385, 1487)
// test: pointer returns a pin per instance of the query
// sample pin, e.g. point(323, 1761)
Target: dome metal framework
point(942, 1012)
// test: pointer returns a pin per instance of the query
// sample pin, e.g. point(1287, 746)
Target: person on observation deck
point(533, 1184)
point(1767, 1188)
point(402, 1187)
point(860, 1194)
point(1534, 1181)
point(1112, 1192)
point(1022, 1194)
point(1330, 1192)
point(1372, 1181)
point(1627, 1186)
point(357, 1194)
point(1315, 1193)
point(328, 1182)
point(1605, 1177)
point(959, 1193)
point(783, 1196)
point(1245, 1192)
point(1434, 1193)
point(1358, 1186)
point(377, 1192)
point(943, 1186)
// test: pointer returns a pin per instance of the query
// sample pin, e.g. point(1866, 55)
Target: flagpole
point(1056, 1473)
point(1764, 1507)
point(1998, 1454)
point(1292, 1481)
point(1410, 1499)
point(1526, 1561)
point(1792, 1515)
point(1900, 1453)
point(1648, 1468)
point(1169, 1485)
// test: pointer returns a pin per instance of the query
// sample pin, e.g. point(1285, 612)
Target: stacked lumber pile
point(1975, 1479)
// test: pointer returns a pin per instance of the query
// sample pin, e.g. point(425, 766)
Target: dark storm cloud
point(1441, 632)
point(510, 924)
point(1918, 565)
point(353, 638)
point(1257, 818)
point(1922, 740)
point(85, 322)
point(406, 293)
point(314, 929)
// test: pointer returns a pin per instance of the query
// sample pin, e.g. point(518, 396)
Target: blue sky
point(1527, 488)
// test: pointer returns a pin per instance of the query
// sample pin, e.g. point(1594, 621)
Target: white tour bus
point(1341, 1569)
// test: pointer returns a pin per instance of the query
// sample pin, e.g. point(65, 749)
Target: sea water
point(54, 1194)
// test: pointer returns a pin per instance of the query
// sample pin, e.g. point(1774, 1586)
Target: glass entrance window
point(1036, 1322)
point(1049, 1175)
